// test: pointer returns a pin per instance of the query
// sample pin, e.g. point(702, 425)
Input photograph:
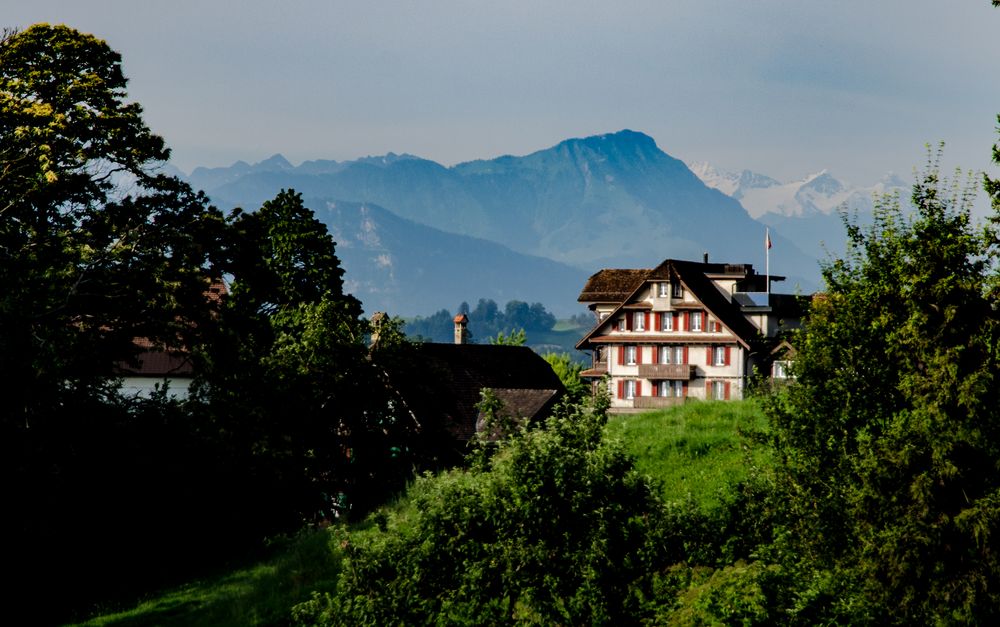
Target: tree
point(514, 338)
point(289, 376)
point(888, 441)
point(556, 528)
point(95, 249)
point(568, 372)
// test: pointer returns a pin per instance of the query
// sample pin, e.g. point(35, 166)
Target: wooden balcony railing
point(674, 372)
point(657, 402)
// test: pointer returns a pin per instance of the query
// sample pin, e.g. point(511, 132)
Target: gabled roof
point(443, 384)
point(692, 275)
point(612, 285)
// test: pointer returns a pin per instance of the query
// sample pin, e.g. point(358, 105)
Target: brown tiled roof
point(611, 285)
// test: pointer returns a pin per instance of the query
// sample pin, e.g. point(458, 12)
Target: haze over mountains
point(805, 210)
point(416, 236)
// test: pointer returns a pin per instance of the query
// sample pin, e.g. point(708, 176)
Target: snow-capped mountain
point(819, 193)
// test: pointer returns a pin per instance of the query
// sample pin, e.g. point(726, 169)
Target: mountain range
point(416, 236)
point(807, 210)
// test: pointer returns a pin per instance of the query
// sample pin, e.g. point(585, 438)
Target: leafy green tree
point(289, 375)
point(568, 372)
point(889, 440)
point(95, 249)
point(514, 338)
point(557, 528)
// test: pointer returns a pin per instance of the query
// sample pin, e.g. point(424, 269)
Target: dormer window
point(663, 289)
point(676, 289)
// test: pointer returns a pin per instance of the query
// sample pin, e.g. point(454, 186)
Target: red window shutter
point(628, 321)
point(638, 355)
point(658, 321)
point(727, 390)
point(646, 321)
point(675, 317)
point(638, 389)
point(708, 356)
point(728, 354)
point(656, 355)
point(621, 356)
point(687, 321)
point(684, 388)
point(685, 356)
point(621, 388)
point(656, 390)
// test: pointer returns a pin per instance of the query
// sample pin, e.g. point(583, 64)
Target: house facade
point(683, 330)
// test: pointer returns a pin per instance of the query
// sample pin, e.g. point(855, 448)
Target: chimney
point(378, 318)
point(461, 332)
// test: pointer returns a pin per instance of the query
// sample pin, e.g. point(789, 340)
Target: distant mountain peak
point(276, 161)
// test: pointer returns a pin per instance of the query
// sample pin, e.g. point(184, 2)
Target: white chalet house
point(683, 330)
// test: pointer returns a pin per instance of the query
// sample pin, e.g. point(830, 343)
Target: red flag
point(767, 239)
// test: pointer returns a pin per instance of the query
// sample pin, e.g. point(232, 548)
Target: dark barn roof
point(443, 386)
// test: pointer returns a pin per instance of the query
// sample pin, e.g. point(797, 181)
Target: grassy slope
point(694, 450)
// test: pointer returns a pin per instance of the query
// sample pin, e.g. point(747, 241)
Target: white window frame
point(780, 369)
point(676, 289)
point(631, 355)
point(667, 321)
point(638, 321)
point(672, 355)
point(629, 389)
point(663, 290)
point(718, 391)
point(696, 321)
point(671, 389)
point(719, 356)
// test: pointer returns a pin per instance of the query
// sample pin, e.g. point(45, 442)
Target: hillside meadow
point(692, 453)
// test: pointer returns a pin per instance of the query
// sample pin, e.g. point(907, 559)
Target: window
point(621, 324)
point(639, 321)
point(676, 289)
point(664, 290)
point(780, 370)
point(719, 356)
point(719, 390)
point(696, 321)
point(630, 355)
point(671, 354)
point(668, 321)
point(670, 389)
point(629, 388)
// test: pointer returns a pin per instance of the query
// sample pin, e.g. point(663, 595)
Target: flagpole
point(767, 260)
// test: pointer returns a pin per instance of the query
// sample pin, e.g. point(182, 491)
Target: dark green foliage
point(287, 375)
point(555, 530)
point(889, 442)
point(568, 372)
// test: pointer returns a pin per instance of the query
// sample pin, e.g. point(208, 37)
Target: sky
point(785, 88)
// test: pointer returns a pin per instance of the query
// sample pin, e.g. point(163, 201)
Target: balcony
point(673, 372)
point(658, 402)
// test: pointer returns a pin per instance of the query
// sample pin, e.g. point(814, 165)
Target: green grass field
point(693, 450)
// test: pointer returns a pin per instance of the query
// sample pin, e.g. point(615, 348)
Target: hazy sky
point(782, 87)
